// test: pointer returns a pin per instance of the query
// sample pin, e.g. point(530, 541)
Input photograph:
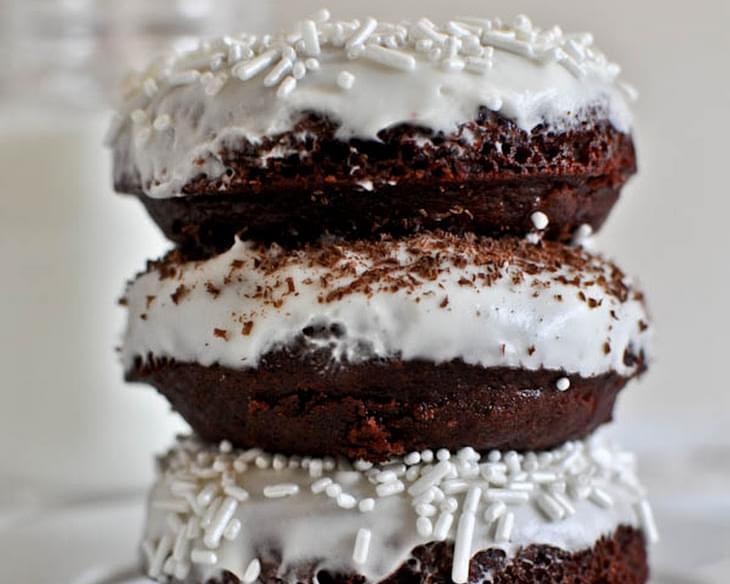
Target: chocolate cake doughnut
point(363, 128)
point(577, 514)
point(374, 348)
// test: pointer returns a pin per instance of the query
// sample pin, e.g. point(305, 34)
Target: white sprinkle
point(431, 478)
point(564, 502)
point(363, 33)
point(425, 510)
point(249, 69)
point(563, 384)
point(192, 529)
point(235, 53)
point(386, 476)
point(299, 70)
point(412, 473)
point(462, 547)
point(346, 501)
point(206, 494)
point(366, 505)
point(449, 504)
point(453, 65)
point(494, 511)
point(180, 551)
point(390, 58)
point(424, 527)
point(646, 517)
point(424, 45)
point(207, 557)
point(310, 37)
point(471, 501)
point(183, 78)
point(503, 532)
point(286, 87)
point(164, 547)
point(277, 72)
point(169, 567)
point(391, 488)
point(280, 490)
point(322, 15)
point(252, 571)
point(512, 460)
point(312, 64)
point(601, 498)
point(232, 529)
point(443, 454)
point(320, 485)
point(427, 456)
point(443, 526)
point(454, 486)
point(150, 87)
point(582, 235)
point(333, 491)
point(362, 465)
point(362, 546)
point(412, 458)
point(279, 462)
point(543, 476)
point(549, 506)
point(521, 486)
point(426, 29)
point(182, 570)
point(263, 461)
point(315, 468)
point(507, 496)
point(162, 122)
point(220, 520)
point(345, 80)
point(539, 220)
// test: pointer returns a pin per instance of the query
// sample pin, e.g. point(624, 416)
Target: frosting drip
point(218, 509)
point(494, 303)
point(368, 76)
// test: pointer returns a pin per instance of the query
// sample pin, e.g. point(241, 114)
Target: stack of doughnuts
point(381, 317)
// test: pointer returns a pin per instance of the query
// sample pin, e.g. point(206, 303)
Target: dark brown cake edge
point(305, 404)
point(487, 177)
point(618, 558)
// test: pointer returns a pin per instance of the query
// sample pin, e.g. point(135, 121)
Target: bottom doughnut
point(574, 514)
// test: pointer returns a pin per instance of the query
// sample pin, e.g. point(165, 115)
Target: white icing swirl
point(235, 308)
point(214, 510)
point(185, 108)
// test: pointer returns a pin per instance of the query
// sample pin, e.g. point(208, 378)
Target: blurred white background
point(68, 424)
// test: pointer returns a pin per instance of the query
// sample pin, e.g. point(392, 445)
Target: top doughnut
point(365, 127)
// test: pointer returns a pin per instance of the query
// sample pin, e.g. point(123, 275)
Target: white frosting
point(591, 487)
point(521, 320)
point(186, 107)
